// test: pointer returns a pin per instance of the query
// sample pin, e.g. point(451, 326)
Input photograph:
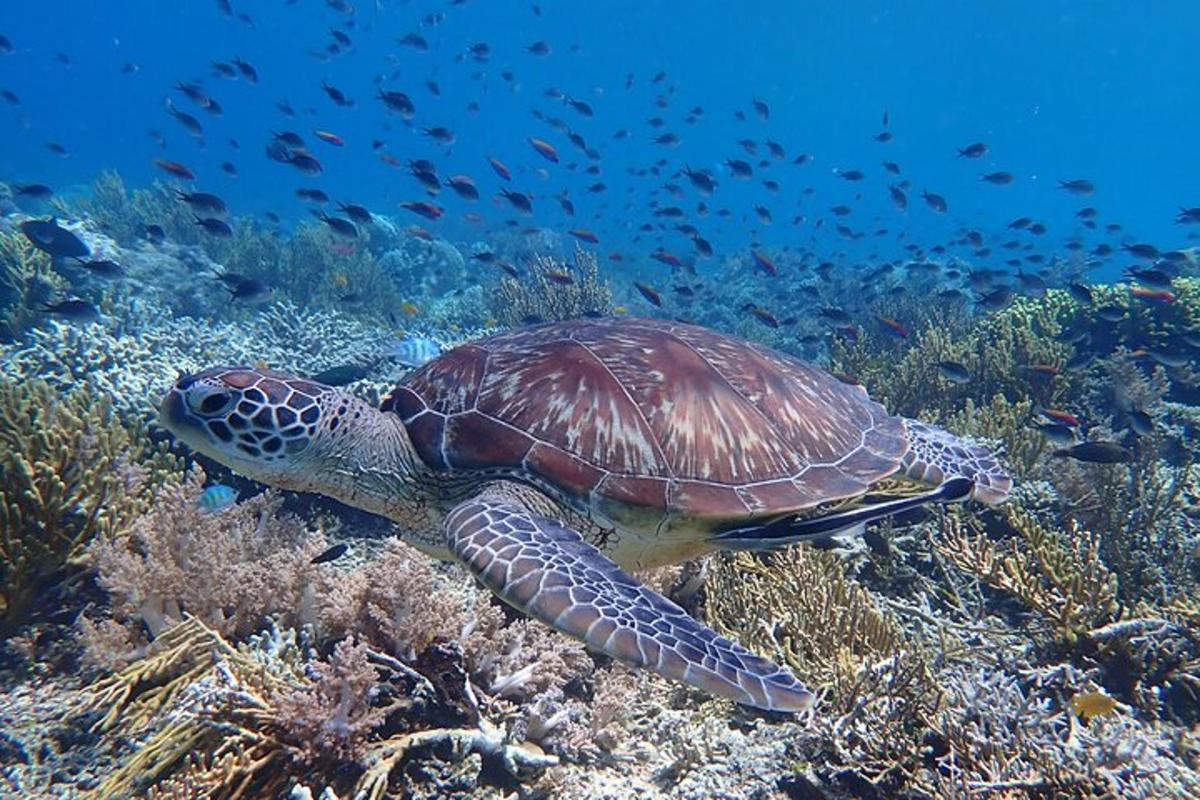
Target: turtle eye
point(210, 403)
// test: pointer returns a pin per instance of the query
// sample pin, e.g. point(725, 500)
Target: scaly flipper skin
point(935, 456)
point(547, 571)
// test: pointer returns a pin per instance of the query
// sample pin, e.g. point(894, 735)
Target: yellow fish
point(341, 280)
point(260, 364)
point(1090, 705)
point(620, 310)
point(412, 309)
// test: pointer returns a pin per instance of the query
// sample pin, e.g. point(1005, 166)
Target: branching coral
point(553, 291)
point(1006, 353)
point(231, 569)
point(244, 721)
point(27, 280)
point(66, 463)
point(1058, 575)
point(799, 606)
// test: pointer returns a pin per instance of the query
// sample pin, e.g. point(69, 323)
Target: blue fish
point(414, 351)
point(217, 498)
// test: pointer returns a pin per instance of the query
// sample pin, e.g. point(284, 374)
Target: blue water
point(1058, 90)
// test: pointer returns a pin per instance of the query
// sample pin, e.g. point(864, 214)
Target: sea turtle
point(551, 459)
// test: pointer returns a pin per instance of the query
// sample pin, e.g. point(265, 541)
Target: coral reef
point(27, 281)
point(66, 462)
point(553, 290)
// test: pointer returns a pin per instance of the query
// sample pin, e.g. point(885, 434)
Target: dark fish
point(997, 178)
point(51, 238)
point(342, 227)
point(398, 102)
point(333, 553)
point(1097, 452)
point(976, 150)
point(1140, 422)
point(154, 233)
point(1058, 434)
point(103, 268)
point(74, 310)
point(214, 226)
point(37, 191)
point(519, 201)
point(358, 213)
point(898, 197)
point(1079, 186)
point(935, 201)
point(650, 293)
point(203, 202)
point(189, 123)
point(954, 372)
point(248, 72)
point(1080, 293)
point(342, 374)
point(175, 168)
point(248, 290)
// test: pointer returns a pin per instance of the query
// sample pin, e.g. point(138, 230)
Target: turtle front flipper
point(546, 570)
point(936, 455)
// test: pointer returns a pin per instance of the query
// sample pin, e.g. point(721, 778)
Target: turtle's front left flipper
point(548, 571)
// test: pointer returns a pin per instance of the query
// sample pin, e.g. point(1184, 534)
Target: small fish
point(53, 239)
point(342, 374)
point(215, 227)
point(500, 169)
point(74, 310)
point(997, 178)
point(1060, 435)
point(414, 351)
point(1140, 422)
point(544, 148)
point(250, 291)
point(763, 262)
point(103, 268)
point(935, 201)
point(35, 191)
point(330, 138)
point(519, 201)
point(1061, 417)
point(1078, 186)
point(976, 150)
point(1090, 705)
point(649, 292)
point(893, 327)
point(1152, 295)
point(764, 316)
point(426, 210)
point(584, 235)
point(342, 227)
point(1096, 452)
point(332, 554)
point(203, 202)
point(217, 498)
point(954, 372)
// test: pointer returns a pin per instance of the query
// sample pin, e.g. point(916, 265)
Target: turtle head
point(273, 427)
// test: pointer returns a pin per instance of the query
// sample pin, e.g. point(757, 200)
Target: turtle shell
point(641, 422)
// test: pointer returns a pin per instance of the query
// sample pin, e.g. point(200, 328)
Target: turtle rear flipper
point(546, 570)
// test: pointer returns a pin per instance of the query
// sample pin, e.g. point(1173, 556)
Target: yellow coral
point(66, 474)
point(543, 296)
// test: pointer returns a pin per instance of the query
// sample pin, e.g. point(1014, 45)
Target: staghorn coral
point(997, 350)
point(540, 297)
point(227, 721)
point(1058, 575)
point(798, 605)
point(27, 280)
point(1006, 733)
point(66, 463)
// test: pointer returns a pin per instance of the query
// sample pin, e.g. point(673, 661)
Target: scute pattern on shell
point(624, 413)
